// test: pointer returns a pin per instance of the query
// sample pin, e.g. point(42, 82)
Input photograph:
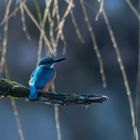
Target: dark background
point(78, 74)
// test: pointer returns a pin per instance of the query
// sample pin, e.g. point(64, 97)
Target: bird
point(42, 77)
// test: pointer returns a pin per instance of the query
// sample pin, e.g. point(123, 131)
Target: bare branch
point(4, 43)
point(137, 98)
point(100, 9)
point(133, 9)
point(3, 67)
point(24, 28)
point(11, 14)
point(16, 114)
point(57, 116)
point(57, 14)
point(74, 22)
point(62, 22)
point(94, 42)
point(126, 83)
point(38, 27)
point(42, 31)
point(12, 89)
point(15, 108)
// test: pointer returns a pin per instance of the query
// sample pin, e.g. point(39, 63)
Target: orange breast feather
point(47, 86)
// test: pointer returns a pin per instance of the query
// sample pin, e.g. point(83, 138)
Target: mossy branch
point(12, 89)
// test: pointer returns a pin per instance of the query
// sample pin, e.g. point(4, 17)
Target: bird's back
point(41, 77)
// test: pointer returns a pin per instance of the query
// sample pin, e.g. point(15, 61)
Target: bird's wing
point(41, 76)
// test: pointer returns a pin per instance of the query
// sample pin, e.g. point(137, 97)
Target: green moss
point(12, 88)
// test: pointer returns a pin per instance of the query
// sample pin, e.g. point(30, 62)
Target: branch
point(12, 89)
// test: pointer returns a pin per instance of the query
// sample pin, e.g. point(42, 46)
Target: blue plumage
point(42, 77)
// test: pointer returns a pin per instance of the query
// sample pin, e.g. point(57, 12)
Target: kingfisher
point(42, 77)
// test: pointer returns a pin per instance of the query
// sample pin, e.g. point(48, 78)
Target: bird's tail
point(33, 93)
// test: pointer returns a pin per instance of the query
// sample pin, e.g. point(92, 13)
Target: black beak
point(58, 60)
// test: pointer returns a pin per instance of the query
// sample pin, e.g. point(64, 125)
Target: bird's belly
point(47, 86)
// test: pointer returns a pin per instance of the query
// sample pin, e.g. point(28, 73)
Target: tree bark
point(10, 88)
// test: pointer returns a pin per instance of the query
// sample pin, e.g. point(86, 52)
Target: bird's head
point(49, 61)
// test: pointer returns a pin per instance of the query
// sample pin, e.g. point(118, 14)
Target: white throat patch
point(52, 65)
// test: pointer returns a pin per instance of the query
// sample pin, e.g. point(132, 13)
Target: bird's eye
point(49, 62)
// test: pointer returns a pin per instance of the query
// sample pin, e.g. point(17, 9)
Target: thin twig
point(68, 1)
point(4, 43)
point(40, 44)
point(62, 22)
point(100, 9)
point(57, 119)
point(42, 26)
point(15, 109)
point(31, 16)
point(126, 84)
point(76, 27)
point(38, 10)
point(13, 13)
point(98, 55)
point(57, 122)
point(39, 28)
point(16, 114)
point(3, 62)
point(23, 19)
point(51, 33)
point(137, 98)
point(56, 11)
point(133, 9)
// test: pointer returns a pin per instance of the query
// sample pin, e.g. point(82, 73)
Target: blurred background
point(78, 74)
